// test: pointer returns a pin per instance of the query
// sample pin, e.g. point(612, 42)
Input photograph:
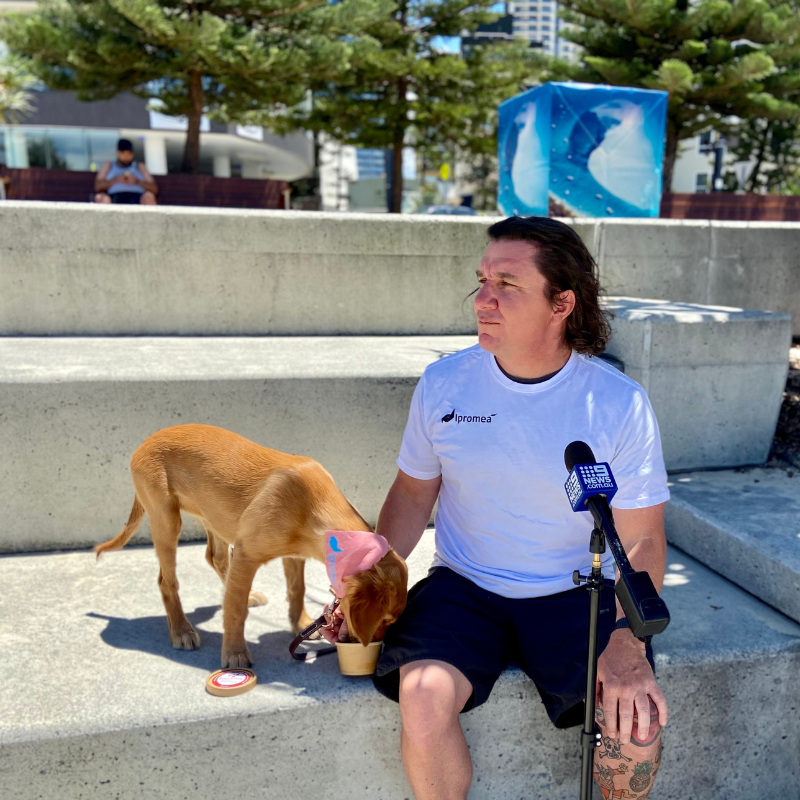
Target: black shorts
point(127, 198)
point(450, 619)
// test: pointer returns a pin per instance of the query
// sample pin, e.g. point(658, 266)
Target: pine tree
point(15, 90)
point(717, 59)
point(407, 91)
point(774, 146)
point(229, 59)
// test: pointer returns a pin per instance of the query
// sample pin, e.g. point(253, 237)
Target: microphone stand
point(590, 736)
point(645, 611)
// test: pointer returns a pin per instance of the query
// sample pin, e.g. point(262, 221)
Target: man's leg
point(435, 752)
point(102, 197)
point(627, 770)
point(148, 199)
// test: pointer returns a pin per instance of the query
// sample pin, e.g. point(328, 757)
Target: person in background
point(125, 180)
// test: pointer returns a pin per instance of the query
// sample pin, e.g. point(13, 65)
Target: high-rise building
point(537, 21)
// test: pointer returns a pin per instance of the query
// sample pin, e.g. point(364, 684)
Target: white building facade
point(537, 21)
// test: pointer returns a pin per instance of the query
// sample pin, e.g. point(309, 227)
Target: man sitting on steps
point(125, 181)
point(486, 434)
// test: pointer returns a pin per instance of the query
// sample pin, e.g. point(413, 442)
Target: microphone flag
point(589, 480)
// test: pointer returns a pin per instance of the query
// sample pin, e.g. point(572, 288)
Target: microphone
point(589, 488)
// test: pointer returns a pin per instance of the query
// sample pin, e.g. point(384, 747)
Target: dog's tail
point(137, 512)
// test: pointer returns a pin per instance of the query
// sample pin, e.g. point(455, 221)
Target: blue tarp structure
point(597, 150)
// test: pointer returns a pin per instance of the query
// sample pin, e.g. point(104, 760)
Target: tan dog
point(265, 503)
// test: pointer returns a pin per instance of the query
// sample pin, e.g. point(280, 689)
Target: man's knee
point(102, 197)
point(148, 199)
point(432, 694)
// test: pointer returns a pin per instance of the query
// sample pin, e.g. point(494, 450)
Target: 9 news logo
point(588, 480)
point(595, 476)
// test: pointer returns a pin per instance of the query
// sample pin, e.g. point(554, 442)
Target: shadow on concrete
point(270, 651)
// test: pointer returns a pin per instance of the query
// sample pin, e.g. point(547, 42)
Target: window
point(704, 143)
point(69, 149)
point(37, 147)
point(102, 147)
point(702, 182)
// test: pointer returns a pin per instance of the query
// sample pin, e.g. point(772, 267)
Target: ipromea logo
point(467, 417)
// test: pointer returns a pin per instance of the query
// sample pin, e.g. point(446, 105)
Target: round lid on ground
point(228, 682)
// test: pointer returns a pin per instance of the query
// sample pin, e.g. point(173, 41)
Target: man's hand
point(336, 630)
point(628, 684)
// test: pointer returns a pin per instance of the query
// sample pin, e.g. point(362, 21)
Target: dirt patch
point(786, 444)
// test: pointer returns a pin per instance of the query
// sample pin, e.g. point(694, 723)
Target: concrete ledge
point(77, 269)
point(69, 269)
point(714, 375)
point(744, 525)
point(95, 703)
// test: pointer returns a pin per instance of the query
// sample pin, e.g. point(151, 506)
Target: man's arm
point(402, 521)
point(406, 511)
point(622, 669)
point(100, 182)
point(148, 184)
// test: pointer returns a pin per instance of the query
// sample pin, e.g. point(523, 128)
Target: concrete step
point(95, 704)
point(744, 524)
point(73, 410)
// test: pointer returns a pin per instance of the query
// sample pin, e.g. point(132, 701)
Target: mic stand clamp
point(591, 737)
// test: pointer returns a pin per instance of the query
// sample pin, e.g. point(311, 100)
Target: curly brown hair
point(565, 263)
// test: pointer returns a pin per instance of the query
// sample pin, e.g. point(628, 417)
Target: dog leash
point(319, 622)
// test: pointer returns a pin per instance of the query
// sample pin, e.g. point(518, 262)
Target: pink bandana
point(349, 552)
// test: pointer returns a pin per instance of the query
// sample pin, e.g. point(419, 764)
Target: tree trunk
point(753, 180)
point(397, 174)
point(191, 152)
point(670, 154)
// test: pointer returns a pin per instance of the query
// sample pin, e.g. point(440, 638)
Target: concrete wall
point(68, 269)
point(741, 264)
point(714, 375)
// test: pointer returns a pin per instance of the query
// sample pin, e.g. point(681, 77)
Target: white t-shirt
point(504, 520)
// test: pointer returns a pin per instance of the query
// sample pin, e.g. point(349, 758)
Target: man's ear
point(564, 304)
point(363, 606)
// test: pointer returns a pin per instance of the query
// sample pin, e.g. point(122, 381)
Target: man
point(125, 181)
point(486, 435)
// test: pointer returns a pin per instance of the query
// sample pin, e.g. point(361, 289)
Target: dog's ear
point(363, 606)
point(374, 599)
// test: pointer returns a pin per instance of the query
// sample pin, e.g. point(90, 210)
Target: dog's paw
point(256, 599)
point(237, 661)
point(186, 640)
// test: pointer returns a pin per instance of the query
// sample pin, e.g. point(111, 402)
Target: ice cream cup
point(355, 659)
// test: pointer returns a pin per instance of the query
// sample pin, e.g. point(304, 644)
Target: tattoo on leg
point(605, 780)
point(642, 774)
point(613, 750)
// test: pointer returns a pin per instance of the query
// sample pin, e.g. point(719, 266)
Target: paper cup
point(355, 659)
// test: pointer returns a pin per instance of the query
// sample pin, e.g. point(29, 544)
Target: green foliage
point(716, 59)
point(229, 59)
point(403, 90)
point(15, 85)
point(774, 144)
